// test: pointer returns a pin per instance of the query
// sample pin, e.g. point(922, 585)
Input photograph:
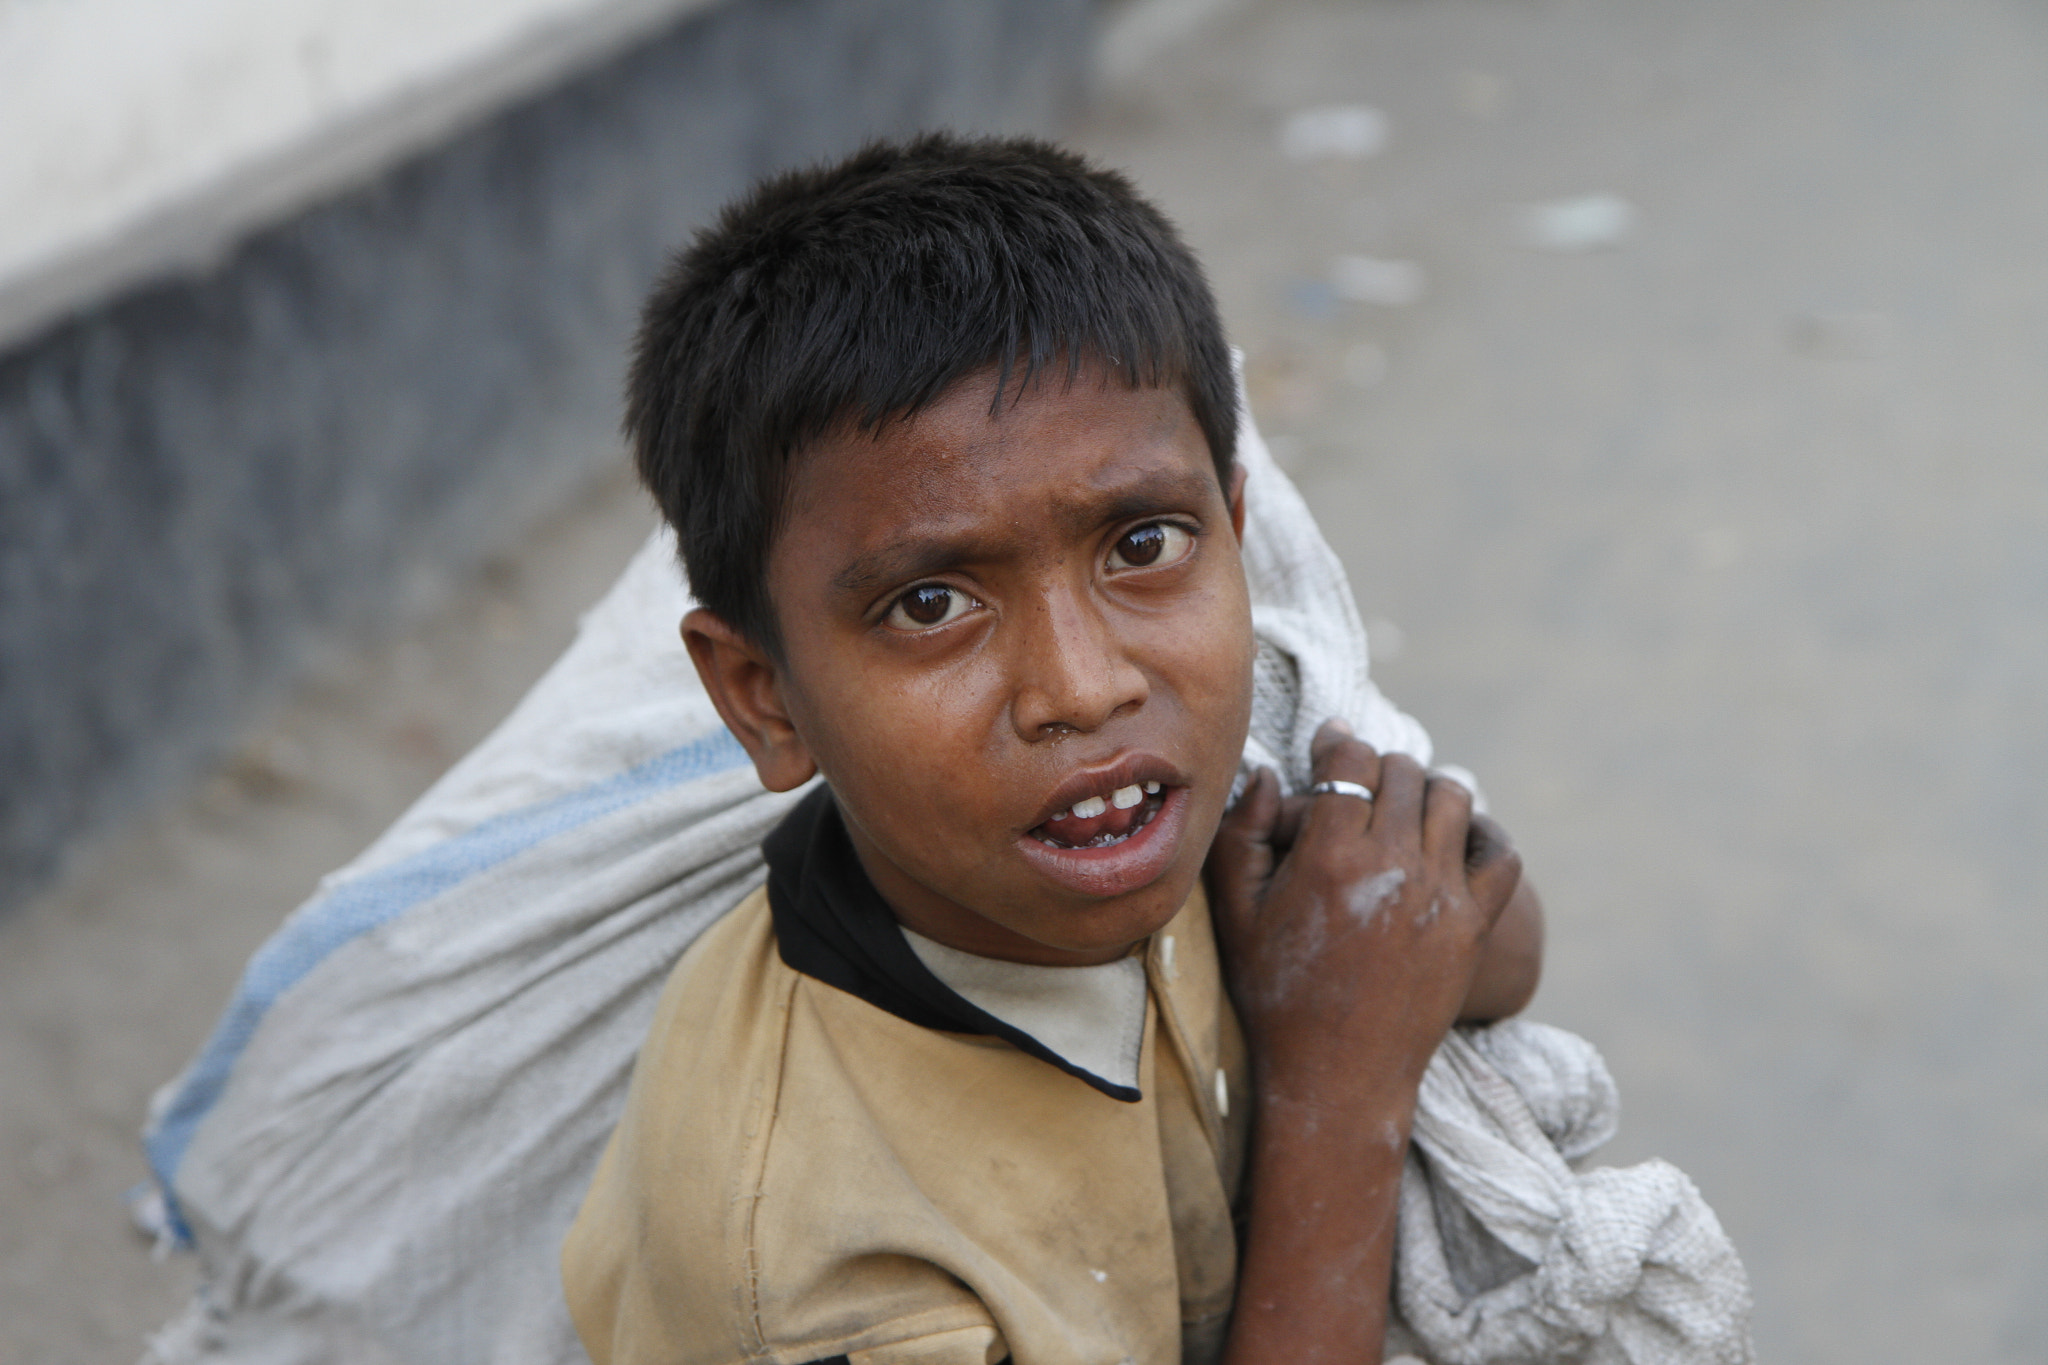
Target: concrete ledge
point(155, 137)
point(205, 477)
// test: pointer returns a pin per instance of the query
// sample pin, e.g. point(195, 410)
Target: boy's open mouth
point(1099, 822)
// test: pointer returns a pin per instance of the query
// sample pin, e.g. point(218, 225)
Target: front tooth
point(1123, 798)
point(1089, 809)
point(1151, 789)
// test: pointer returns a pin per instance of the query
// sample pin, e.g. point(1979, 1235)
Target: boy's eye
point(928, 605)
point(1151, 545)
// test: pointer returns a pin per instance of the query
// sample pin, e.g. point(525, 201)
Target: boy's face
point(991, 621)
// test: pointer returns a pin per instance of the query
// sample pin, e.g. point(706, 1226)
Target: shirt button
point(1222, 1095)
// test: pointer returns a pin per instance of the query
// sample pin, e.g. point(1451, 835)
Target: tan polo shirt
point(801, 1175)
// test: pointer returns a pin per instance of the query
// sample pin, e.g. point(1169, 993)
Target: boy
point(947, 434)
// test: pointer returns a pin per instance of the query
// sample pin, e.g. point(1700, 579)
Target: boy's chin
point(1107, 931)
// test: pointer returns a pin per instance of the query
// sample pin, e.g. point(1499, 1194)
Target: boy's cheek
point(1210, 659)
point(901, 752)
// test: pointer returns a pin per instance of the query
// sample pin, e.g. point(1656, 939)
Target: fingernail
point(1339, 724)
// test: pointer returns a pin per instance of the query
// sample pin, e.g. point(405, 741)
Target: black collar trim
point(831, 924)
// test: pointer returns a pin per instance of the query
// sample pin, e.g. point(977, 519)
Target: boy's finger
point(1251, 819)
point(1446, 821)
point(1329, 734)
point(1397, 811)
point(1337, 754)
point(1287, 825)
point(1485, 840)
point(1241, 858)
point(1493, 867)
point(1340, 758)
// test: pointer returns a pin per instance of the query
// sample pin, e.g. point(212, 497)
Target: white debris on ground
point(1334, 131)
point(1587, 222)
point(1375, 279)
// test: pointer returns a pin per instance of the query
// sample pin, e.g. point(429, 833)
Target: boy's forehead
point(1059, 454)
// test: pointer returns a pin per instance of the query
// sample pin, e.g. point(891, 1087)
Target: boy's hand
point(1351, 929)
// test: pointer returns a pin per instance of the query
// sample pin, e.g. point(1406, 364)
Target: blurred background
point(1667, 373)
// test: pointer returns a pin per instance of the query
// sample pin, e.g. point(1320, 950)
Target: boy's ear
point(747, 690)
point(1236, 495)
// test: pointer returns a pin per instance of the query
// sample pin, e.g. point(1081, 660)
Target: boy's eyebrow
point(915, 556)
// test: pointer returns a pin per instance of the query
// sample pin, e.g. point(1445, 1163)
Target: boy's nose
point(1071, 669)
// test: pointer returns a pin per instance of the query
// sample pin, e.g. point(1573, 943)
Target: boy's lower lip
point(1118, 868)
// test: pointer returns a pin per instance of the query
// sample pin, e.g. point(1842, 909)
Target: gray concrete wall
point(204, 479)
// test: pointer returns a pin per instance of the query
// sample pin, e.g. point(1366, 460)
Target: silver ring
point(1338, 787)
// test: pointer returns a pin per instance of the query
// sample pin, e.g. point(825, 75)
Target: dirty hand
point(1351, 928)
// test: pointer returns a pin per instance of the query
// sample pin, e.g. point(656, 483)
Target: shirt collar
point(831, 924)
point(1094, 1017)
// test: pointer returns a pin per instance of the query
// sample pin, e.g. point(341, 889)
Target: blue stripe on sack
point(358, 906)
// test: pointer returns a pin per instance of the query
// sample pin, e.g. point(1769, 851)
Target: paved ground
point(1720, 553)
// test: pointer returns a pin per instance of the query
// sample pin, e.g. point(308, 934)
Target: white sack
point(1505, 1255)
point(379, 1150)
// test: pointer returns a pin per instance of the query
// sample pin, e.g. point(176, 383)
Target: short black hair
point(861, 291)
